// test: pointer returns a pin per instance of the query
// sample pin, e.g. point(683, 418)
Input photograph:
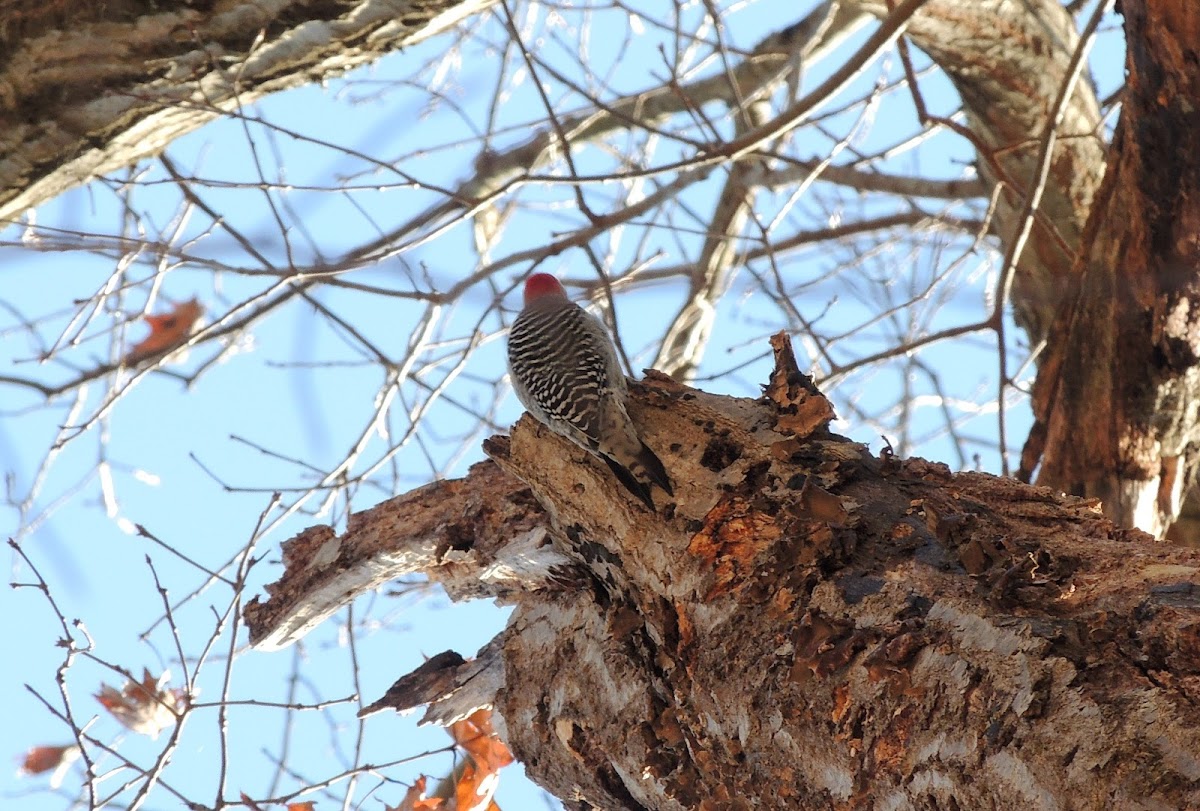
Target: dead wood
point(807, 625)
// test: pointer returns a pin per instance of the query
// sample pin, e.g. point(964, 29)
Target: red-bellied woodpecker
point(565, 371)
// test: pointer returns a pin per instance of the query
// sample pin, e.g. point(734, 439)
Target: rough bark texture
point(808, 625)
point(447, 526)
point(88, 88)
point(1125, 426)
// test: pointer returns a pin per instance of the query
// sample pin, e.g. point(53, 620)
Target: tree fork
point(807, 626)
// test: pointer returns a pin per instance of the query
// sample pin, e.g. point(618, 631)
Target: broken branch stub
point(482, 536)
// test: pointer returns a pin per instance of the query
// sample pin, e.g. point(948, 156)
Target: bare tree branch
point(1026, 48)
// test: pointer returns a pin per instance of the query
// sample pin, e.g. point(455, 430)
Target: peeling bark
point(810, 626)
point(482, 536)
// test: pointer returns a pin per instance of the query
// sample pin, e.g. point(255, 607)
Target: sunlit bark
point(806, 626)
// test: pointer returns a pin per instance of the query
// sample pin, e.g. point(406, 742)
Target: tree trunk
point(805, 626)
point(88, 88)
point(1123, 425)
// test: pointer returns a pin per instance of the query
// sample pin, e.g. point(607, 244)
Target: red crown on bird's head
point(542, 284)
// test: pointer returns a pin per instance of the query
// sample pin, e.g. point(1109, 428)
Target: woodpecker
point(565, 372)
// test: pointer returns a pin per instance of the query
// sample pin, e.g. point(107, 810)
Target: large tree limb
point(108, 86)
point(808, 626)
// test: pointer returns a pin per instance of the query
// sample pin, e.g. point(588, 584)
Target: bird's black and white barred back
point(565, 372)
point(563, 366)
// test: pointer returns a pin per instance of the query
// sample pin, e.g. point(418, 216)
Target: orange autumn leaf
point(480, 775)
point(415, 799)
point(475, 788)
point(476, 777)
point(166, 331)
point(476, 735)
point(44, 758)
point(147, 706)
point(307, 805)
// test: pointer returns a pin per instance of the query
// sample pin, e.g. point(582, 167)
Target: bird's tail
point(652, 468)
point(643, 470)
